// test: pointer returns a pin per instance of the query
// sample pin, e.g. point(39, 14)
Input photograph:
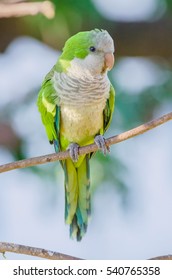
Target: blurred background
point(131, 187)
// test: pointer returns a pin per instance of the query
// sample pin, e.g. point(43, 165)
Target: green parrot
point(76, 103)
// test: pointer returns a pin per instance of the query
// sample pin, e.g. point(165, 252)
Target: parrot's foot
point(100, 142)
point(73, 149)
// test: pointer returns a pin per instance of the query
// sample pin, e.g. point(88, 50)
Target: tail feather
point(77, 197)
point(84, 202)
point(71, 190)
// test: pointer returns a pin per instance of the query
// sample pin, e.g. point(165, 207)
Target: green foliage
point(139, 108)
point(109, 169)
point(169, 5)
point(70, 18)
point(73, 11)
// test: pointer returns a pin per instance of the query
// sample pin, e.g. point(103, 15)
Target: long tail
point(77, 197)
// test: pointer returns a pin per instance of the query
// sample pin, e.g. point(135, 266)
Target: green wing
point(50, 112)
point(109, 108)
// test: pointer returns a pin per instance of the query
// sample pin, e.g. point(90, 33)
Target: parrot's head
point(88, 52)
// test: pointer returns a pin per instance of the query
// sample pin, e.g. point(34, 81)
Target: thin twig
point(86, 149)
point(24, 9)
point(32, 251)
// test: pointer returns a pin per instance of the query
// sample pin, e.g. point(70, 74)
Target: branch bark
point(23, 9)
point(87, 149)
point(47, 254)
point(32, 251)
point(166, 257)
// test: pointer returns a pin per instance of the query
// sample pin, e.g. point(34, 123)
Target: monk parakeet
point(76, 102)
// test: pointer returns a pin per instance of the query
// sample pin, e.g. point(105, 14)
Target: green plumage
point(51, 107)
point(77, 196)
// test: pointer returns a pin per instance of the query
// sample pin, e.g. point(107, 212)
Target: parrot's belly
point(81, 124)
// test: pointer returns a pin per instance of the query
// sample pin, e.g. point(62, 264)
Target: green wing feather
point(50, 112)
point(109, 108)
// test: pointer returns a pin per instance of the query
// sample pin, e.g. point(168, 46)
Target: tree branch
point(166, 257)
point(86, 149)
point(23, 9)
point(32, 251)
point(47, 254)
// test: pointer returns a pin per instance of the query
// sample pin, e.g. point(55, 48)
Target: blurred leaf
point(139, 108)
point(169, 5)
point(71, 17)
point(108, 169)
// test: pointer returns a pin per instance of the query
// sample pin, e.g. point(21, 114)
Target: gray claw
point(100, 142)
point(73, 151)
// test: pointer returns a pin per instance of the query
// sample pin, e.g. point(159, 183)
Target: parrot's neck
point(81, 90)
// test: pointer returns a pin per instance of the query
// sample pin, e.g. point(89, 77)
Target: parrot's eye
point(92, 49)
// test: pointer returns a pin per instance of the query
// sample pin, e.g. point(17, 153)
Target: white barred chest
point(81, 124)
point(82, 101)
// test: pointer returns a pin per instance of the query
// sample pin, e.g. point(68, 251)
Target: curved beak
point(109, 60)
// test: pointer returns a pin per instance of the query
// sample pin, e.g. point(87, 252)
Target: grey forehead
point(104, 41)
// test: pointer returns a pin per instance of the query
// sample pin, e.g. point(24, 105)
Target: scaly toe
point(73, 151)
point(100, 142)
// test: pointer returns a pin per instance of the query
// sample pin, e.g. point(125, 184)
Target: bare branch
point(86, 149)
point(23, 9)
point(47, 254)
point(166, 257)
point(32, 251)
